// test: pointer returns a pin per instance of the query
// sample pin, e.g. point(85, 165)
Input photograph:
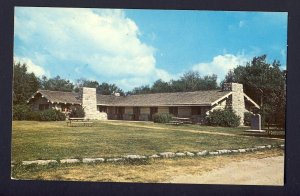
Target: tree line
point(264, 82)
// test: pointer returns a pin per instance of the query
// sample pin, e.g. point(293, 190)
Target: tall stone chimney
point(237, 102)
point(89, 103)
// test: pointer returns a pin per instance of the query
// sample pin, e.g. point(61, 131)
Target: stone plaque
point(256, 122)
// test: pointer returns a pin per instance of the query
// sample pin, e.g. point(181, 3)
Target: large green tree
point(85, 83)
point(24, 83)
point(265, 83)
point(56, 84)
point(108, 89)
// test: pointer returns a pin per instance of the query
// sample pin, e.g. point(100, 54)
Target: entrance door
point(120, 111)
point(136, 113)
point(153, 110)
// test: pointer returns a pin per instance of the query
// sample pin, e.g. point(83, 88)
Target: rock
point(281, 146)
point(269, 146)
point(241, 150)
point(235, 151)
point(190, 154)
point(260, 147)
point(180, 154)
point(154, 156)
point(202, 153)
point(69, 161)
point(114, 159)
point(39, 162)
point(213, 153)
point(167, 154)
point(92, 160)
point(224, 151)
point(134, 157)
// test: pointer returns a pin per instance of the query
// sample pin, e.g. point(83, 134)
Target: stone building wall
point(89, 104)
point(237, 100)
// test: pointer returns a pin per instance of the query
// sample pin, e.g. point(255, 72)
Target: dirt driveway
point(266, 171)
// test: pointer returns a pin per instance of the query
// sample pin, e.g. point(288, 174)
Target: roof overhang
point(253, 102)
point(220, 99)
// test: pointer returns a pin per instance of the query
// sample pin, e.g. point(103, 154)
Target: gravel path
point(266, 171)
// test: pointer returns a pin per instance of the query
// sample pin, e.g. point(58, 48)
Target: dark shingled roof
point(157, 99)
point(59, 96)
point(164, 99)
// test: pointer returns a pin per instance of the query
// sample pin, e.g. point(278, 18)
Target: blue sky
point(136, 47)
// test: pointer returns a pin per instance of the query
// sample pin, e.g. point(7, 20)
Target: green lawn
point(33, 140)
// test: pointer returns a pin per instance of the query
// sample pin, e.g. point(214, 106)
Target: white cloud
point(220, 65)
point(105, 41)
point(31, 67)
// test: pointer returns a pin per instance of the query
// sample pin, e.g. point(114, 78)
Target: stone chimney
point(89, 103)
point(237, 102)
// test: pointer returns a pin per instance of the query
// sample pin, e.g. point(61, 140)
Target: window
point(102, 109)
point(173, 110)
point(196, 110)
point(43, 106)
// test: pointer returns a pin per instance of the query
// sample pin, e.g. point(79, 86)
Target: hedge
point(162, 118)
point(223, 118)
point(23, 112)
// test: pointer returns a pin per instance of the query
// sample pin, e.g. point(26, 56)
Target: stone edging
point(155, 156)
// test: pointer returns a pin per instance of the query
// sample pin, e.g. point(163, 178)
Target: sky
point(131, 48)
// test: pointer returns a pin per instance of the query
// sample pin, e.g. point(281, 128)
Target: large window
point(173, 110)
point(43, 106)
point(196, 110)
point(102, 109)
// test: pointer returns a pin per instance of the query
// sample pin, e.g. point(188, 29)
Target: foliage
point(51, 115)
point(56, 84)
point(247, 118)
point(24, 83)
point(108, 89)
point(21, 112)
point(265, 84)
point(162, 117)
point(190, 81)
point(77, 112)
point(223, 118)
point(85, 83)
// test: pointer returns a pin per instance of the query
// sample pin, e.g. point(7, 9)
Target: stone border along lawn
point(142, 157)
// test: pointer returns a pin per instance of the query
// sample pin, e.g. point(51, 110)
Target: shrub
point(162, 118)
point(51, 115)
point(21, 112)
point(77, 112)
point(223, 118)
point(247, 118)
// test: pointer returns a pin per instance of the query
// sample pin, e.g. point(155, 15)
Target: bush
point(51, 115)
point(247, 118)
point(21, 112)
point(77, 112)
point(223, 118)
point(162, 118)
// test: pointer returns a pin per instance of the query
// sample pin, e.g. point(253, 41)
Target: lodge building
point(194, 105)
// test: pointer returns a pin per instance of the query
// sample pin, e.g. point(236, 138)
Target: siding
point(145, 110)
point(128, 110)
point(163, 110)
point(38, 101)
point(184, 111)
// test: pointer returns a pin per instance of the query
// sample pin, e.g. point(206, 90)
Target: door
point(136, 113)
point(120, 112)
point(153, 110)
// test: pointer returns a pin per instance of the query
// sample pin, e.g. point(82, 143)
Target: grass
point(160, 170)
point(54, 140)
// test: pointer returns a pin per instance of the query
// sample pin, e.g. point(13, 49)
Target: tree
point(265, 84)
point(24, 83)
point(108, 89)
point(140, 90)
point(160, 86)
point(85, 83)
point(57, 84)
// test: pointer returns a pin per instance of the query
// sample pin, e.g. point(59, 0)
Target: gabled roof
point(197, 98)
point(201, 98)
point(58, 96)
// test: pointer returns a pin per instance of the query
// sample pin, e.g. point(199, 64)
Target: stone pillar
point(237, 102)
point(89, 104)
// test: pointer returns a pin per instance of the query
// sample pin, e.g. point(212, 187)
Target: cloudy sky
point(136, 47)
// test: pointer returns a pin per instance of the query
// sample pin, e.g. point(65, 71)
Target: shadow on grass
point(265, 135)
